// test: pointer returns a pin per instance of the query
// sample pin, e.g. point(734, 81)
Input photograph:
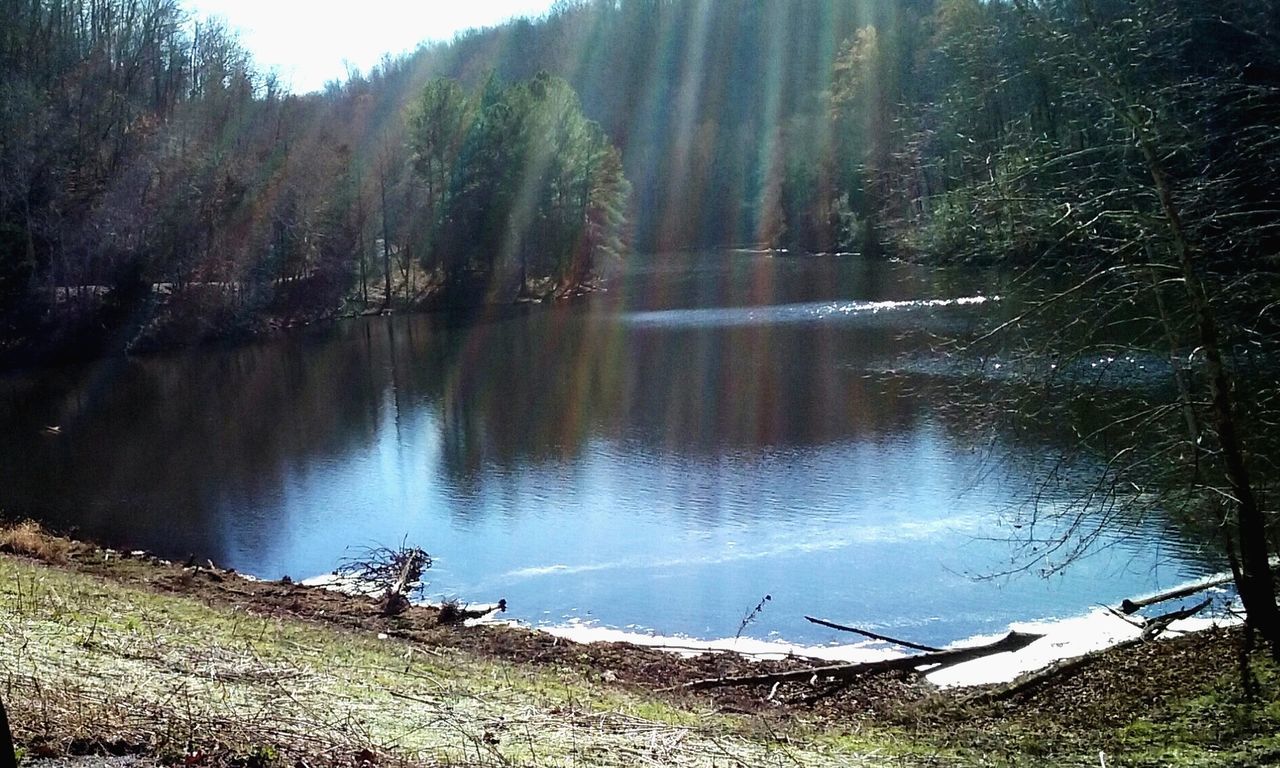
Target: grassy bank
point(104, 653)
point(90, 665)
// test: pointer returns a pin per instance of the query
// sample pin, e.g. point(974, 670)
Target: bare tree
point(1172, 217)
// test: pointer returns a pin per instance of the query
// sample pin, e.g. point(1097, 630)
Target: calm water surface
point(714, 428)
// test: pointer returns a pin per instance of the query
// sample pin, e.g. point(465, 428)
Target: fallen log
point(1129, 607)
point(873, 635)
point(1041, 677)
point(1133, 606)
point(1156, 625)
point(1014, 641)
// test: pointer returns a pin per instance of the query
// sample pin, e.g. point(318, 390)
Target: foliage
point(155, 189)
point(1133, 138)
point(518, 180)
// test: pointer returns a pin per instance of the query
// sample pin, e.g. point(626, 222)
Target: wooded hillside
point(141, 149)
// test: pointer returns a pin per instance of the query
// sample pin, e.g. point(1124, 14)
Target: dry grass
point(28, 539)
point(90, 665)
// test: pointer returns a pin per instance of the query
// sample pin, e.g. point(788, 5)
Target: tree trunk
point(1256, 584)
point(360, 225)
point(8, 758)
point(386, 240)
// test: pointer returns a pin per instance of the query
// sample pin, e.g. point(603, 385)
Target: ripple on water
point(810, 312)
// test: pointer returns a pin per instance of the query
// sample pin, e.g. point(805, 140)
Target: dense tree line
point(140, 149)
point(1012, 128)
point(719, 108)
point(934, 127)
point(875, 123)
point(156, 189)
point(514, 180)
point(1123, 153)
point(124, 156)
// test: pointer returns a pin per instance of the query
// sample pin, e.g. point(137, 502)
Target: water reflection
point(579, 459)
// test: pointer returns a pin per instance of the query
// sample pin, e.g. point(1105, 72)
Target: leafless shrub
point(396, 574)
point(451, 612)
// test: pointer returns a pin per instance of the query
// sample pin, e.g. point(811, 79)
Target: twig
point(751, 615)
point(873, 635)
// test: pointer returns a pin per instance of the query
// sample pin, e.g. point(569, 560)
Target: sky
point(309, 42)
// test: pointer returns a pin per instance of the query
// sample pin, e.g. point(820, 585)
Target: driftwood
point(1129, 607)
point(1151, 629)
point(1133, 606)
point(1156, 625)
point(407, 572)
point(873, 635)
point(396, 601)
point(386, 574)
point(451, 612)
point(1014, 641)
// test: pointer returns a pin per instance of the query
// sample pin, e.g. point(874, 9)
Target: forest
point(153, 182)
point(156, 190)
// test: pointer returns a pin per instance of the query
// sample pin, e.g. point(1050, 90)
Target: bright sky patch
point(309, 43)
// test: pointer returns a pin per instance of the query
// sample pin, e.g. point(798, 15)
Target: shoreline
point(74, 345)
point(1063, 638)
point(77, 617)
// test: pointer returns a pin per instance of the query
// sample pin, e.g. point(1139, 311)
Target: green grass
point(1220, 726)
point(87, 661)
point(90, 661)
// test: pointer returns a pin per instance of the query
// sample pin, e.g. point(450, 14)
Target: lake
point(713, 428)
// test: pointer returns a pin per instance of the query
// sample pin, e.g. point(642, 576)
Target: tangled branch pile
point(396, 574)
